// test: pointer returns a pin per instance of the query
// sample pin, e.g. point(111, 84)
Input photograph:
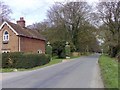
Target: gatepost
point(49, 50)
point(67, 50)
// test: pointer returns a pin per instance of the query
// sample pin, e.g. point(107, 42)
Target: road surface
point(82, 72)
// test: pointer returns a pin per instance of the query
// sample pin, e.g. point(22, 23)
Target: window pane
point(5, 36)
point(6, 32)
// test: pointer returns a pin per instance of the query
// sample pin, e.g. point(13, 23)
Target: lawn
point(109, 71)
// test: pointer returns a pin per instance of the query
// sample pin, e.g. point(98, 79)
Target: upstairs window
point(5, 36)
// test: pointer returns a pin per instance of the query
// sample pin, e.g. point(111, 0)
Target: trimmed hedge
point(67, 50)
point(49, 50)
point(23, 60)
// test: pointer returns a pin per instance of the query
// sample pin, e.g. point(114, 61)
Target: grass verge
point(109, 71)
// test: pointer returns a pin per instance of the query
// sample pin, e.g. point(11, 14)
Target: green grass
point(109, 71)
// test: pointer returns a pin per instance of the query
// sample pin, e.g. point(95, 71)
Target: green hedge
point(22, 60)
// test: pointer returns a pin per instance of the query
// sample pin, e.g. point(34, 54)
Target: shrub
point(49, 50)
point(59, 49)
point(67, 50)
point(22, 60)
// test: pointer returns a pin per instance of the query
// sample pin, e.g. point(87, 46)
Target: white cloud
point(32, 10)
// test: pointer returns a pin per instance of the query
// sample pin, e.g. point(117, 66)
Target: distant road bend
point(82, 72)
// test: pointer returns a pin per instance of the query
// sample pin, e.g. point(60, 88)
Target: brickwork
point(12, 44)
point(31, 45)
point(23, 44)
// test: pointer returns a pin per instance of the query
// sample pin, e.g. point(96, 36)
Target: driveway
point(81, 72)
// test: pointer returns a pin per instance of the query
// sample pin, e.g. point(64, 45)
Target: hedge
point(23, 60)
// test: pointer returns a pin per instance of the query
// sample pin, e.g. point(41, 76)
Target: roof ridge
point(27, 32)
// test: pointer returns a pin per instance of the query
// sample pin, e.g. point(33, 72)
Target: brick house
point(18, 38)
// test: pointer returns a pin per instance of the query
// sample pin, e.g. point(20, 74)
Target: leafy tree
point(71, 15)
point(69, 22)
point(54, 34)
point(87, 39)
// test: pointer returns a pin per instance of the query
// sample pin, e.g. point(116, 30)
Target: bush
point(59, 49)
point(22, 60)
point(49, 50)
point(67, 50)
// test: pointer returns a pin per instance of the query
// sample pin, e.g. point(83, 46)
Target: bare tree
point(4, 11)
point(109, 13)
point(41, 26)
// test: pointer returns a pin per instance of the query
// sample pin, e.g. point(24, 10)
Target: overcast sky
point(32, 10)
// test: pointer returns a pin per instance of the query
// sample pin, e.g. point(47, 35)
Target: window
point(6, 36)
point(5, 51)
point(39, 51)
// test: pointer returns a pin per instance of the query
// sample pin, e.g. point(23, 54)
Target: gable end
point(9, 27)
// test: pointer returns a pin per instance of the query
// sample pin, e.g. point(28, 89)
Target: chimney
point(21, 22)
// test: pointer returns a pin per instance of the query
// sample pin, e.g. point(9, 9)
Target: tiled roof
point(26, 32)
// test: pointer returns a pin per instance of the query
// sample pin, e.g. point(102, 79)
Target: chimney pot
point(21, 18)
point(21, 22)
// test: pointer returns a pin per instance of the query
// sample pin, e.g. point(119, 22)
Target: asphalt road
point(82, 72)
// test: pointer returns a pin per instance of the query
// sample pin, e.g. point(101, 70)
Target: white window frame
point(40, 51)
point(6, 51)
point(5, 37)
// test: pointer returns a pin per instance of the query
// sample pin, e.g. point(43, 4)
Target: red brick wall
point(26, 44)
point(31, 45)
point(13, 40)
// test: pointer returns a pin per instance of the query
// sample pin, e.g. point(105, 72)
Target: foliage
point(58, 33)
point(49, 50)
point(59, 49)
point(67, 50)
point(53, 61)
point(70, 15)
point(87, 41)
point(22, 60)
point(109, 70)
point(70, 22)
